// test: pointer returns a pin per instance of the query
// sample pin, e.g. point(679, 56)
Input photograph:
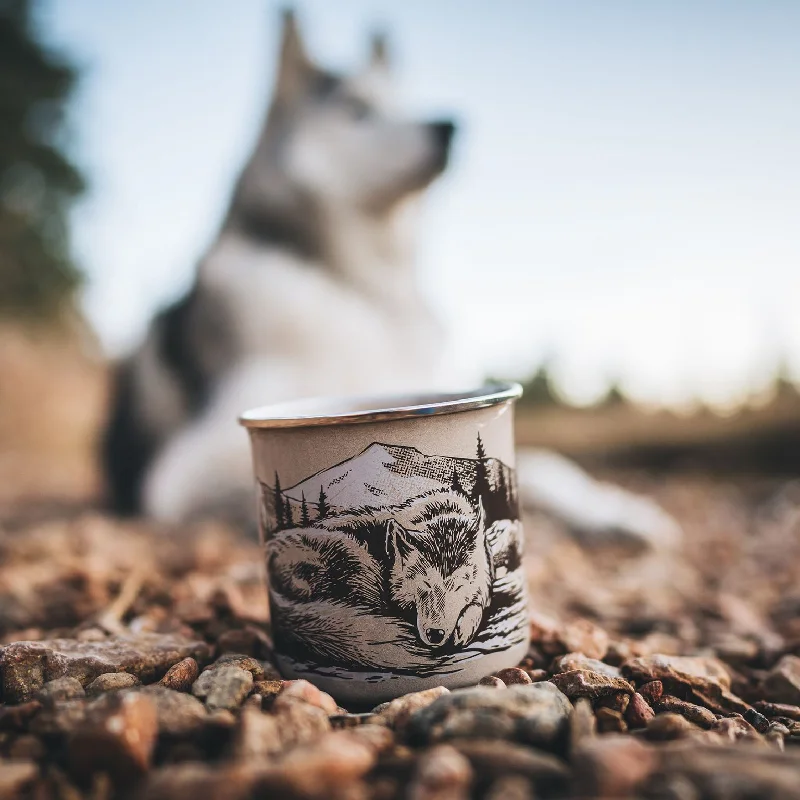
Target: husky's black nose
point(443, 132)
point(435, 635)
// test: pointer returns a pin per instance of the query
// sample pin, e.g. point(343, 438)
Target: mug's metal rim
point(378, 408)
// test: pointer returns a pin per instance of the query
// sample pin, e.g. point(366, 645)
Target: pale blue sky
point(625, 193)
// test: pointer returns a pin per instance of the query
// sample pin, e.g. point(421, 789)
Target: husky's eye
point(356, 108)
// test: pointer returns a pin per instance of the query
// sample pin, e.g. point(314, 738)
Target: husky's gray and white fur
point(308, 289)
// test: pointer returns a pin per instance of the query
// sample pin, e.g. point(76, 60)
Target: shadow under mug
point(392, 539)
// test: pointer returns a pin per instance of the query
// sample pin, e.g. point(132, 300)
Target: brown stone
point(665, 727)
point(510, 787)
point(492, 757)
point(61, 689)
point(182, 675)
point(397, 713)
point(639, 713)
point(178, 713)
point(582, 723)
point(26, 666)
point(514, 675)
point(777, 710)
point(583, 636)
point(735, 729)
point(613, 766)
point(257, 735)
point(581, 683)
point(700, 716)
point(700, 673)
point(574, 661)
point(308, 693)
point(441, 774)
point(299, 722)
point(111, 682)
point(243, 661)
point(268, 690)
point(492, 681)
point(325, 769)
point(609, 720)
point(117, 737)
point(652, 691)
point(782, 684)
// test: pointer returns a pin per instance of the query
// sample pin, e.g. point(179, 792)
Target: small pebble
point(492, 681)
point(61, 689)
point(111, 682)
point(758, 721)
point(228, 688)
point(610, 720)
point(697, 714)
point(181, 676)
point(652, 691)
point(513, 675)
point(308, 693)
point(441, 774)
point(639, 713)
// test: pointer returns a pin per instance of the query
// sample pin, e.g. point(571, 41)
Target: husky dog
point(308, 289)
point(336, 599)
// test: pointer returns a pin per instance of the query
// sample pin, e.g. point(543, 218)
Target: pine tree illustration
point(456, 484)
point(305, 520)
point(481, 488)
point(279, 508)
point(288, 521)
point(502, 500)
point(322, 505)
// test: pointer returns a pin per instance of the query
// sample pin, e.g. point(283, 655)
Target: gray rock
point(111, 682)
point(537, 714)
point(229, 687)
point(782, 684)
point(61, 689)
point(178, 713)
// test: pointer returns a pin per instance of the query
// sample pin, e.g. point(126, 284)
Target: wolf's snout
point(443, 133)
point(435, 635)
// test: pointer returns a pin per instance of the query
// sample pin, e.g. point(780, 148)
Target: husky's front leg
point(467, 625)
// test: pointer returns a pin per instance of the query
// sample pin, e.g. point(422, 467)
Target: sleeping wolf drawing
point(408, 585)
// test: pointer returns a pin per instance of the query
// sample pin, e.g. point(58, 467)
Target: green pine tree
point(38, 182)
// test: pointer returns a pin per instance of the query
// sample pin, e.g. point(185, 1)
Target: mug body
point(392, 540)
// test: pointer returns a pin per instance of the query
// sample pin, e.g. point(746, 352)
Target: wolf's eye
point(356, 108)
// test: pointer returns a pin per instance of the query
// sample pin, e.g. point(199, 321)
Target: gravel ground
point(136, 662)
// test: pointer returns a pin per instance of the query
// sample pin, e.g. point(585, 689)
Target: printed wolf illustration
point(334, 599)
point(308, 289)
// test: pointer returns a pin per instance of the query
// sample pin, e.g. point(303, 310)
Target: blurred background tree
point(38, 182)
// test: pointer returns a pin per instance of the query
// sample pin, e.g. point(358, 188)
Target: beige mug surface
point(392, 540)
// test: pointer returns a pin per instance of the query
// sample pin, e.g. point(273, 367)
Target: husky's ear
point(379, 57)
point(294, 65)
point(397, 545)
